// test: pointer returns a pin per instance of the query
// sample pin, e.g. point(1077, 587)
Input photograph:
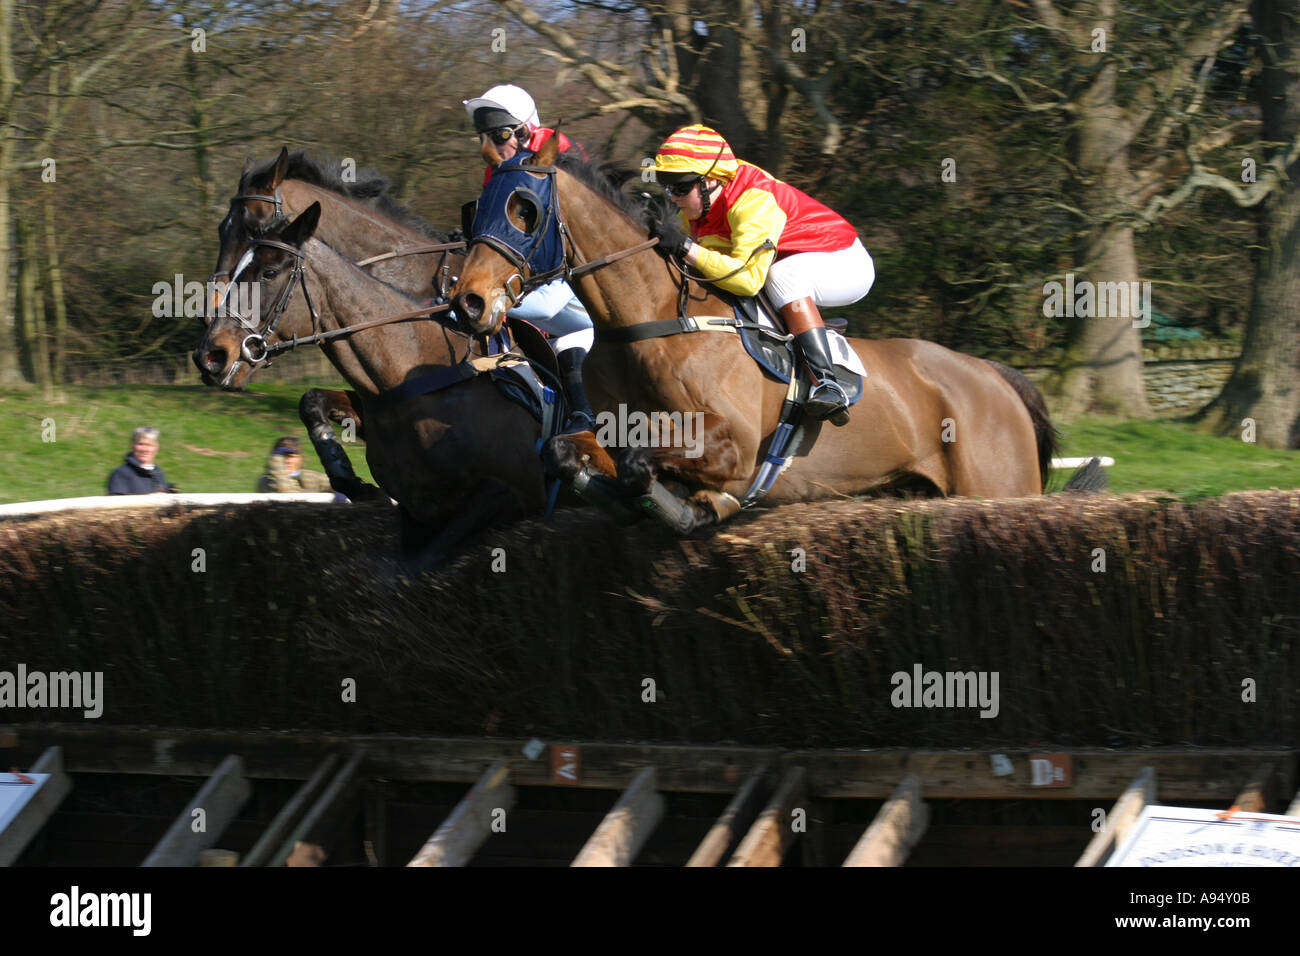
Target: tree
point(1264, 389)
point(731, 64)
point(1123, 82)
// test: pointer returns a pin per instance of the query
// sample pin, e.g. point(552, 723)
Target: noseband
point(254, 348)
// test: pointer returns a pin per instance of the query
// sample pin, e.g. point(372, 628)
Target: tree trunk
point(728, 82)
point(55, 270)
point(1102, 367)
point(10, 374)
point(33, 307)
point(1265, 384)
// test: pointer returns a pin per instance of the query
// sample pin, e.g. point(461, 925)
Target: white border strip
point(108, 502)
point(1080, 462)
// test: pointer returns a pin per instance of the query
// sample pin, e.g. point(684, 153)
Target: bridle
point(258, 352)
point(254, 348)
point(528, 275)
point(279, 218)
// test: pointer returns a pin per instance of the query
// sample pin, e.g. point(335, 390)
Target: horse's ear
point(302, 228)
point(549, 152)
point(281, 167)
point(249, 163)
point(490, 154)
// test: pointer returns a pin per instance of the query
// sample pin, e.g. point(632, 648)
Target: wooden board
point(772, 833)
point(277, 831)
point(1120, 820)
point(895, 830)
point(1256, 795)
point(456, 841)
point(1186, 774)
point(220, 799)
point(315, 828)
point(735, 820)
point(625, 829)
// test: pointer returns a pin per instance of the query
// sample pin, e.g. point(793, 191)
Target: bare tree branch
point(1273, 176)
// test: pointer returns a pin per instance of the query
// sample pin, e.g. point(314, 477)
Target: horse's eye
point(270, 273)
point(524, 212)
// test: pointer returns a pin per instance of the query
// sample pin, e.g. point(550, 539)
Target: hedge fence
point(1108, 621)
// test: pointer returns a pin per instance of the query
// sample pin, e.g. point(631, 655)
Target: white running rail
point(1080, 462)
point(108, 502)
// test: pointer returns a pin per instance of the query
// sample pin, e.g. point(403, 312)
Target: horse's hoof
point(636, 470)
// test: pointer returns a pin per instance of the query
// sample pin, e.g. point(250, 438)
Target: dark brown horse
point(929, 417)
point(361, 222)
point(459, 458)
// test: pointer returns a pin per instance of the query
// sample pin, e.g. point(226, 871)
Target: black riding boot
point(826, 400)
point(581, 418)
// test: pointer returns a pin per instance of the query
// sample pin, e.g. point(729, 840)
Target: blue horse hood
point(541, 247)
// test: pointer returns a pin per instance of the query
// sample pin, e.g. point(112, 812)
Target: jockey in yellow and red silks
point(749, 231)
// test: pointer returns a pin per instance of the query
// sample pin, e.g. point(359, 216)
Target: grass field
point(1170, 455)
point(211, 440)
point(218, 441)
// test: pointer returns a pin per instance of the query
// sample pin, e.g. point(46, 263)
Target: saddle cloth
point(776, 355)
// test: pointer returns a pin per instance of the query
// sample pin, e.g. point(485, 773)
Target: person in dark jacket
point(138, 475)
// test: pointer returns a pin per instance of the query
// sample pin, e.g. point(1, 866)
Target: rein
point(411, 251)
point(259, 353)
point(277, 200)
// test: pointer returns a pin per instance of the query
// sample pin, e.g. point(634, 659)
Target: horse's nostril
point(213, 361)
point(469, 306)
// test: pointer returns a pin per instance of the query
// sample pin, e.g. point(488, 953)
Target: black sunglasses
point(501, 135)
point(682, 189)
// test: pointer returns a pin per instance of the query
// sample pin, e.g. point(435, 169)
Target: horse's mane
point(370, 187)
point(608, 179)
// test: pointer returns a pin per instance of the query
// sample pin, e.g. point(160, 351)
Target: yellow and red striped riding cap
point(695, 151)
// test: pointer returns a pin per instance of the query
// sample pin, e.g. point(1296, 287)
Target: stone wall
point(1183, 378)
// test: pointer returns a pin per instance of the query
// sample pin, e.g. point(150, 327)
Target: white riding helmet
point(517, 106)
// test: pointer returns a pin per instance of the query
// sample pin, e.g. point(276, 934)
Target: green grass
point(218, 441)
point(1169, 455)
point(211, 440)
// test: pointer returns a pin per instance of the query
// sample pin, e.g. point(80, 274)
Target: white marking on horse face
point(500, 306)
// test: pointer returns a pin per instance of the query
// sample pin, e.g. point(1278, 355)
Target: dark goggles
point(680, 190)
point(501, 135)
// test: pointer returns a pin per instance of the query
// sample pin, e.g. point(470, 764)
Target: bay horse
point(457, 459)
point(360, 221)
point(929, 418)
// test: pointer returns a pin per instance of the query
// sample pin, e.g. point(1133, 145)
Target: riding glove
point(671, 237)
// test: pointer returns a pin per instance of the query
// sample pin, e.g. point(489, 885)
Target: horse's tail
point(1089, 477)
point(1045, 433)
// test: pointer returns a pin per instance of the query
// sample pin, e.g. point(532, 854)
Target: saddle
point(768, 344)
point(518, 361)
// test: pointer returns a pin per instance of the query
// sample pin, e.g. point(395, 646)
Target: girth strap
point(666, 327)
point(447, 376)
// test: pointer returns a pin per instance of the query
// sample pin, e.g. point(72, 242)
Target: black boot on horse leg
point(579, 461)
point(581, 418)
point(638, 477)
point(826, 400)
point(316, 408)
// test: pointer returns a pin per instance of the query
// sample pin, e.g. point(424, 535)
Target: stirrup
point(832, 407)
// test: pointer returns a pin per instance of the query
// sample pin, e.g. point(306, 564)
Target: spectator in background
point(138, 475)
point(284, 473)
